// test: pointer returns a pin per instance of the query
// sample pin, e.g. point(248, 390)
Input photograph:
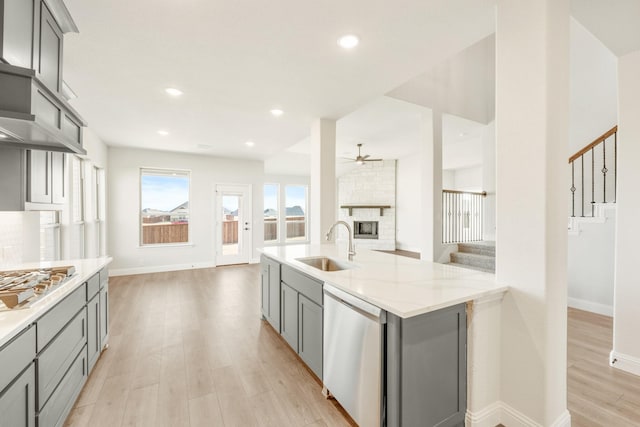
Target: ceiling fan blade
point(373, 160)
point(366, 157)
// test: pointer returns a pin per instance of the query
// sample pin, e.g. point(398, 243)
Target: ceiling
point(237, 60)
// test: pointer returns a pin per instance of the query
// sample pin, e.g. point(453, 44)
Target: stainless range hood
point(32, 116)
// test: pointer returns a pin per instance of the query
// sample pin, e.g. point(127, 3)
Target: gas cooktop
point(20, 288)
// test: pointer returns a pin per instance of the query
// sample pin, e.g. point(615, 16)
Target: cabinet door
point(289, 315)
point(93, 331)
point(17, 402)
point(39, 176)
point(57, 177)
point(50, 51)
point(310, 334)
point(104, 315)
point(274, 295)
point(17, 37)
point(264, 289)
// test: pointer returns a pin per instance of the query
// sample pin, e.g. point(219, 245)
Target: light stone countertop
point(14, 321)
point(400, 285)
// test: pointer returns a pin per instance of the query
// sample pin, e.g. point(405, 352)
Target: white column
point(323, 178)
point(431, 197)
point(626, 346)
point(489, 180)
point(532, 118)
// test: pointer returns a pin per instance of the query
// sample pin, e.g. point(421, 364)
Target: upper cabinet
point(33, 111)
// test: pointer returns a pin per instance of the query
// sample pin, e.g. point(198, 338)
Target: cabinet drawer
point(55, 360)
point(16, 355)
point(93, 286)
point(307, 286)
point(17, 401)
point(58, 407)
point(54, 320)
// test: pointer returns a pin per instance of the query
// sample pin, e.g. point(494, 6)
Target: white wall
point(626, 345)
point(409, 219)
point(489, 180)
point(591, 264)
point(124, 208)
point(594, 91)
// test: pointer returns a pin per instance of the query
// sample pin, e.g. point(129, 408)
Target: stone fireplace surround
point(373, 183)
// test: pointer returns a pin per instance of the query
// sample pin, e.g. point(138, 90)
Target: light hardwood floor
point(598, 395)
point(189, 349)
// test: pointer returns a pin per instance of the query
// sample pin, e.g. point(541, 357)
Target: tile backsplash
point(11, 238)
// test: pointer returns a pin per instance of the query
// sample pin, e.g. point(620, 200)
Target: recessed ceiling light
point(163, 132)
point(249, 143)
point(277, 112)
point(348, 41)
point(173, 91)
point(3, 136)
point(462, 134)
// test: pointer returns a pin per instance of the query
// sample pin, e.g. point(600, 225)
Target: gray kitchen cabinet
point(289, 316)
point(426, 369)
point(310, 334)
point(93, 331)
point(49, 65)
point(302, 315)
point(17, 32)
point(46, 177)
point(104, 314)
point(270, 291)
point(17, 401)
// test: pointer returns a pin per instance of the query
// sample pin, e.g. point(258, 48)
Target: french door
point(234, 220)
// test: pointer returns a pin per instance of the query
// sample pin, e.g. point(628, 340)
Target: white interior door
point(234, 220)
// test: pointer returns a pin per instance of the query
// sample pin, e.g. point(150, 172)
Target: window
point(164, 207)
point(49, 235)
point(101, 204)
point(295, 212)
point(77, 208)
point(271, 193)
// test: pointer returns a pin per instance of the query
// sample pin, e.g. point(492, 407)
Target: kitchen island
point(48, 347)
point(430, 362)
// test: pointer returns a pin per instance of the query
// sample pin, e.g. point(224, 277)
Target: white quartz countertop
point(13, 321)
point(400, 285)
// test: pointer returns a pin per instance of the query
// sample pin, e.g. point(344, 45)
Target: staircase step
point(484, 270)
point(480, 248)
point(485, 262)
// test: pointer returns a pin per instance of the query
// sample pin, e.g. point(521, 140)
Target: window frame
point(306, 215)
point(278, 203)
point(166, 172)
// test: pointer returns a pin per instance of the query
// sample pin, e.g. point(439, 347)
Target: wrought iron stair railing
point(462, 216)
point(593, 178)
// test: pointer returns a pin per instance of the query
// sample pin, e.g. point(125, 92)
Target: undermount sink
point(325, 263)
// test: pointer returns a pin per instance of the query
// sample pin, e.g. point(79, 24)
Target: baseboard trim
point(159, 268)
point(624, 362)
point(486, 417)
point(564, 420)
point(594, 307)
point(512, 417)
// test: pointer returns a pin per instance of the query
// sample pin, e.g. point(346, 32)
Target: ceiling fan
point(360, 159)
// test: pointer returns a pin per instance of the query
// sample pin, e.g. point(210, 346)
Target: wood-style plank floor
point(189, 349)
point(598, 395)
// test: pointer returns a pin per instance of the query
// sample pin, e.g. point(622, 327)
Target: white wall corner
point(624, 362)
point(564, 420)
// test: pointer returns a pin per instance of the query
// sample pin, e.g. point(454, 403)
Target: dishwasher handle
point(356, 303)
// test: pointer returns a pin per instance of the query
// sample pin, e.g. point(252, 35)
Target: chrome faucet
point(352, 252)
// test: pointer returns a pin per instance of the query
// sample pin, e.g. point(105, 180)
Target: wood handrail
point(484, 193)
point(595, 142)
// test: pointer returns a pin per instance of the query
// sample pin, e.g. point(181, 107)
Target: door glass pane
point(271, 212)
point(296, 207)
point(230, 224)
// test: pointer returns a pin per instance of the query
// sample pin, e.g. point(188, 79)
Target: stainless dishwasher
point(353, 350)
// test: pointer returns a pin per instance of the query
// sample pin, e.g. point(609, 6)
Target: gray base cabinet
point(301, 316)
point(270, 291)
point(46, 365)
point(17, 401)
point(426, 369)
